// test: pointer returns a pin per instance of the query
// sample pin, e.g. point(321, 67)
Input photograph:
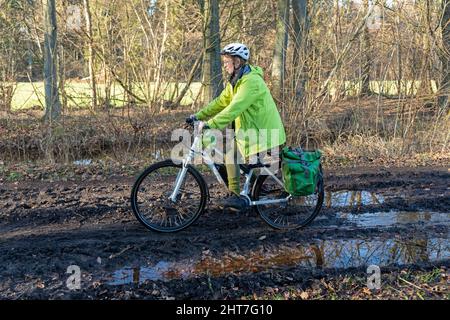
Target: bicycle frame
point(197, 149)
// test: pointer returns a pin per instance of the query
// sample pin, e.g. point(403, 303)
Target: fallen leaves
point(304, 295)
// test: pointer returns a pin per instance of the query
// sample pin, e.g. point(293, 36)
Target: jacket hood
point(257, 70)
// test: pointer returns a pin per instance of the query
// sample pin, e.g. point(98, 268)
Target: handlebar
point(189, 125)
point(193, 124)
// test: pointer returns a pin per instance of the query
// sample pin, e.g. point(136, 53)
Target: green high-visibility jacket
point(251, 105)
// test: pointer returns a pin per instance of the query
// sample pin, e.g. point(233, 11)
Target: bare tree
point(280, 49)
point(445, 56)
point(399, 52)
point(366, 55)
point(189, 80)
point(212, 72)
point(62, 55)
point(300, 29)
point(88, 17)
point(424, 36)
point(10, 51)
point(52, 102)
point(343, 53)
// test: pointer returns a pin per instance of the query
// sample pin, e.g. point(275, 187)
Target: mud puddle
point(391, 218)
point(345, 198)
point(321, 254)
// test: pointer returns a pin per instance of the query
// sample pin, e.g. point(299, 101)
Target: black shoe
point(233, 202)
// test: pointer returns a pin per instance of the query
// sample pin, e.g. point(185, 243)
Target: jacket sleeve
point(244, 98)
point(215, 106)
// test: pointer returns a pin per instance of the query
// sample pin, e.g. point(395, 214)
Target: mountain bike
point(170, 196)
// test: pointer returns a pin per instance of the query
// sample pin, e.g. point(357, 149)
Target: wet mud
point(390, 217)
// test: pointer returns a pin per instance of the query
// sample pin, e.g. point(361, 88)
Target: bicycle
point(165, 204)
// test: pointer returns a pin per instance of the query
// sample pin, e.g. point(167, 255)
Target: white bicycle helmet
point(237, 49)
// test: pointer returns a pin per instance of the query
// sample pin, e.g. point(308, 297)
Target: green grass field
point(28, 95)
point(389, 88)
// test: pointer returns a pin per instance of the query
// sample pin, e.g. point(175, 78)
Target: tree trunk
point(301, 28)
point(399, 57)
point(52, 103)
point(61, 58)
point(279, 53)
point(366, 56)
point(445, 57)
point(30, 58)
point(87, 15)
point(160, 56)
point(62, 76)
point(425, 87)
point(212, 71)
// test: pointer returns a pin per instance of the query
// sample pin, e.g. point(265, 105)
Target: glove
point(191, 119)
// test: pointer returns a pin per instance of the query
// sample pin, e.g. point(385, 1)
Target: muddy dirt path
point(391, 217)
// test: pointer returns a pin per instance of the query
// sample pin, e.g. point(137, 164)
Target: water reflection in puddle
point(322, 254)
point(161, 271)
point(389, 218)
point(352, 198)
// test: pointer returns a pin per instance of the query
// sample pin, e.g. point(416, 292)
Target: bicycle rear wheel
point(150, 197)
point(297, 212)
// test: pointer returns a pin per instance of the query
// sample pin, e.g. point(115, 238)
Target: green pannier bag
point(300, 170)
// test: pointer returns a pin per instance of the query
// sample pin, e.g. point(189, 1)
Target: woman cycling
point(247, 104)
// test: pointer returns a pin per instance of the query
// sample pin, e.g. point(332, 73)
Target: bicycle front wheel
point(150, 197)
point(297, 212)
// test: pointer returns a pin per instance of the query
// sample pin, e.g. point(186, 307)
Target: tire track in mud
point(47, 227)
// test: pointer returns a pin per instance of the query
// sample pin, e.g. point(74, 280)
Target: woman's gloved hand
point(191, 119)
